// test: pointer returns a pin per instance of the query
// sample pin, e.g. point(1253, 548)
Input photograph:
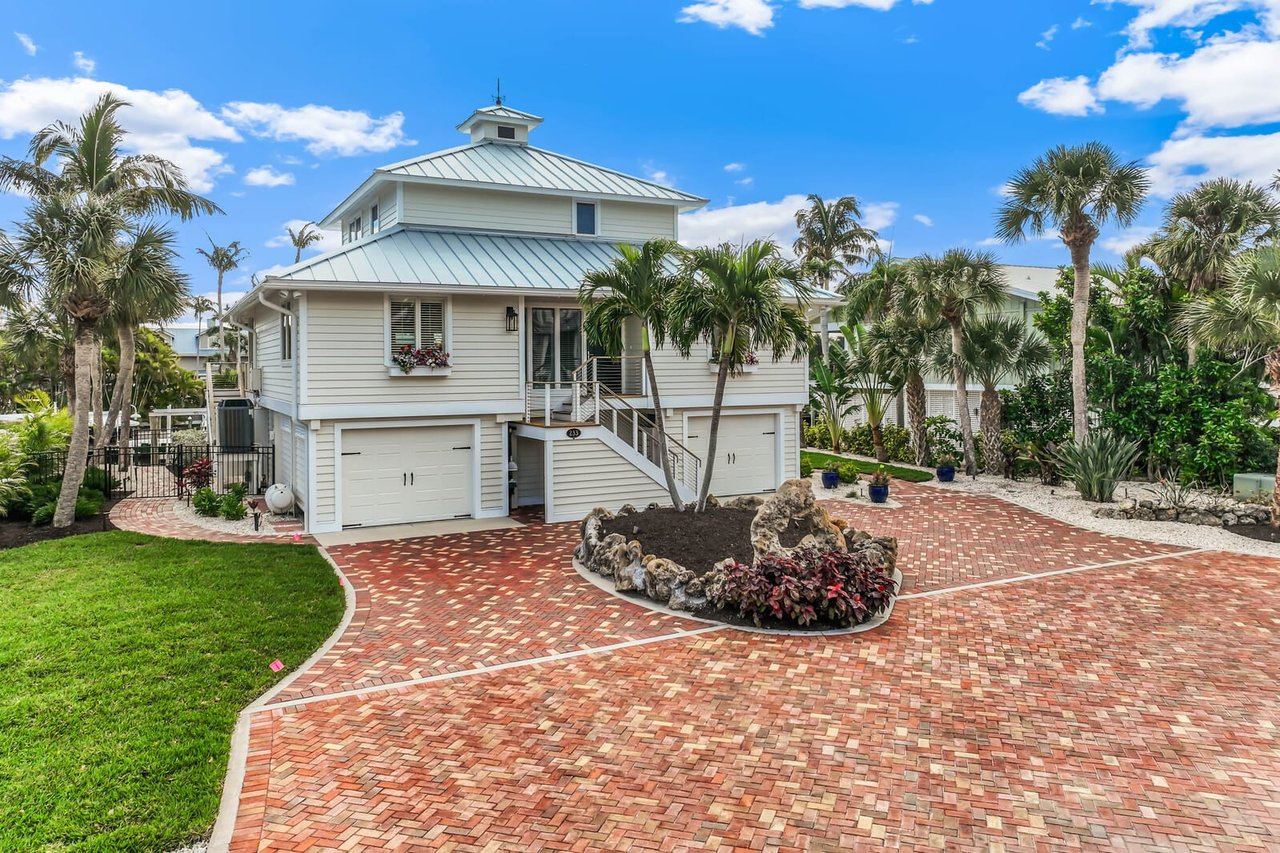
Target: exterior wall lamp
point(513, 319)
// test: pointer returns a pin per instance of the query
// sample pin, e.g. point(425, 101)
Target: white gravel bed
point(243, 527)
point(1064, 503)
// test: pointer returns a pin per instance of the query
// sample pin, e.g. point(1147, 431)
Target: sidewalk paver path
point(487, 698)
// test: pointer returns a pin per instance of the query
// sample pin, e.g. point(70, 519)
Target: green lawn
point(124, 660)
point(820, 460)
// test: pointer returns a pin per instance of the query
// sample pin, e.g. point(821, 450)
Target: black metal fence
point(163, 470)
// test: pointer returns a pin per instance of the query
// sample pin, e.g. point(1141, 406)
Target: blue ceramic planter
point(946, 473)
point(878, 494)
point(830, 479)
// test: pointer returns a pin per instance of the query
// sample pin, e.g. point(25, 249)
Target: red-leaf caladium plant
point(836, 588)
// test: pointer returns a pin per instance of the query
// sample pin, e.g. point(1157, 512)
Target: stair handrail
point(686, 463)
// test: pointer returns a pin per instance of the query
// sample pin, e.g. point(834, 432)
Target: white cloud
point(1181, 163)
point(911, 40)
point(83, 63)
point(161, 123)
point(754, 16)
point(325, 130)
point(265, 176)
point(774, 220)
point(878, 5)
point(1062, 96)
point(1081, 23)
point(1229, 82)
point(28, 43)
point(734, 167)
point(745, 182)
point(1125, 240)
point(880, 215)
point(1046, 37)
point(926, 221)
point(1158, 14)
point(329, 240)
point(658, 176)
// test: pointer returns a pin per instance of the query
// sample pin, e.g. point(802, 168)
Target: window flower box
point(412, 361)
point(750, 364)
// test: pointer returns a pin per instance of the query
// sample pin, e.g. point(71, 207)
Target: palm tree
point(149, 288)
point(871, 384)
point(832, 391)
point(832, 242)
point(638, 284)
point(1243, 319)
point(1205, 228)
point(878, 292)
point(223, 259)
point(997, 347)
point(900, 345)
point(1075, 191)
point(80, 218)
point(953, 288)
point(305, 236)
point(743, 299)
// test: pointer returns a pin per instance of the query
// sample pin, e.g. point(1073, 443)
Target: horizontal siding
point(493, 465)
point(323, 507)
point(791, 445)
point(486, 210)
point(387, 213)
point(277, 376)
point(587, 474)
point(622, 220)
point(348, 352)
point(678, 377)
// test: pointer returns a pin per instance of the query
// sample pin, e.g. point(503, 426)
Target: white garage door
point(746, 453)
point(406, 474)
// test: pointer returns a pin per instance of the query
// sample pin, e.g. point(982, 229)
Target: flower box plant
point(408, 357)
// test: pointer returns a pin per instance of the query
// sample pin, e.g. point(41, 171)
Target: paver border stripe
point(483, 670)
point(930, 593)
point(233, 782)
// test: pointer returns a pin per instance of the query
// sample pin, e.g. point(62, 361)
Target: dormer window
point(506, 131)
point(374, 224)
point(584, 218)
point(353, 230)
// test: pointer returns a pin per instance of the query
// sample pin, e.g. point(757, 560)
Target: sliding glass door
point(555, 344)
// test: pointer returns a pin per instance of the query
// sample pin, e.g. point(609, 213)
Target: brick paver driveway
point(1087, 692)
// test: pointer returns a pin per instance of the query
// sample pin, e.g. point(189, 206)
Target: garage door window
point(417, 323)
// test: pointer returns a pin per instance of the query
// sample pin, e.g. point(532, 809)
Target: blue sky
point(921, 109)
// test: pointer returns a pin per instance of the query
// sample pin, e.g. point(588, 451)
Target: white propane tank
point(279, 498)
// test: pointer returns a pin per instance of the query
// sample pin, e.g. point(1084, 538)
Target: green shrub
point(806, 467)
point(232, 507)
point(44, 514)
point(88, 504)
point(190, 437)
point(206, 502)
point(239, 490)
point(943, 438)
point(99, 480)
point(1096, 464)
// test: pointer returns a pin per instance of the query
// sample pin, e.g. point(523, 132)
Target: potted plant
point(831, 475)
point(878, 491)
point(946, 468)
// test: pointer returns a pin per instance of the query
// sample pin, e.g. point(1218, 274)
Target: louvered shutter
point(432, 325)
point(404, 330)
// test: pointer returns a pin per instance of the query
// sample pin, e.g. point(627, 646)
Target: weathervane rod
point(497, 99)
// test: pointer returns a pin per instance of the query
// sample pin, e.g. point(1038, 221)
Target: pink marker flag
point(297, 537)
point(276, 665)
point(341, 582)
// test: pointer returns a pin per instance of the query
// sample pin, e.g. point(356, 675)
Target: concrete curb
point(233, 782)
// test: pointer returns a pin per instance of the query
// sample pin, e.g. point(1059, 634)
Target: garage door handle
point(410, 478)
point(404, 480)
point(468, 447)
point(768, 433)
point(351, 453)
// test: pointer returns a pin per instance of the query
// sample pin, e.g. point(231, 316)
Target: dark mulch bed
point(16, 533)
point(1263, 532)
point(698, 541)
point(695, 540)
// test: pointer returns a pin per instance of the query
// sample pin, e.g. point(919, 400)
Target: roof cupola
point(500, 123)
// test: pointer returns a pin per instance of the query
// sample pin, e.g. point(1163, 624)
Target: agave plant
point(1098, 463)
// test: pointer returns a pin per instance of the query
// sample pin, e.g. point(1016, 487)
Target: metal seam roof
point(524, 166)
point(408, 256)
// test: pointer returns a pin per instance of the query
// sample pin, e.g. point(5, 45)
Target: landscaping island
point(781, 563)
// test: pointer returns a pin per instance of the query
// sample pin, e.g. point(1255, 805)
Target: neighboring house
point(478, 251)
point(191, 342)
point(1023, 302)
